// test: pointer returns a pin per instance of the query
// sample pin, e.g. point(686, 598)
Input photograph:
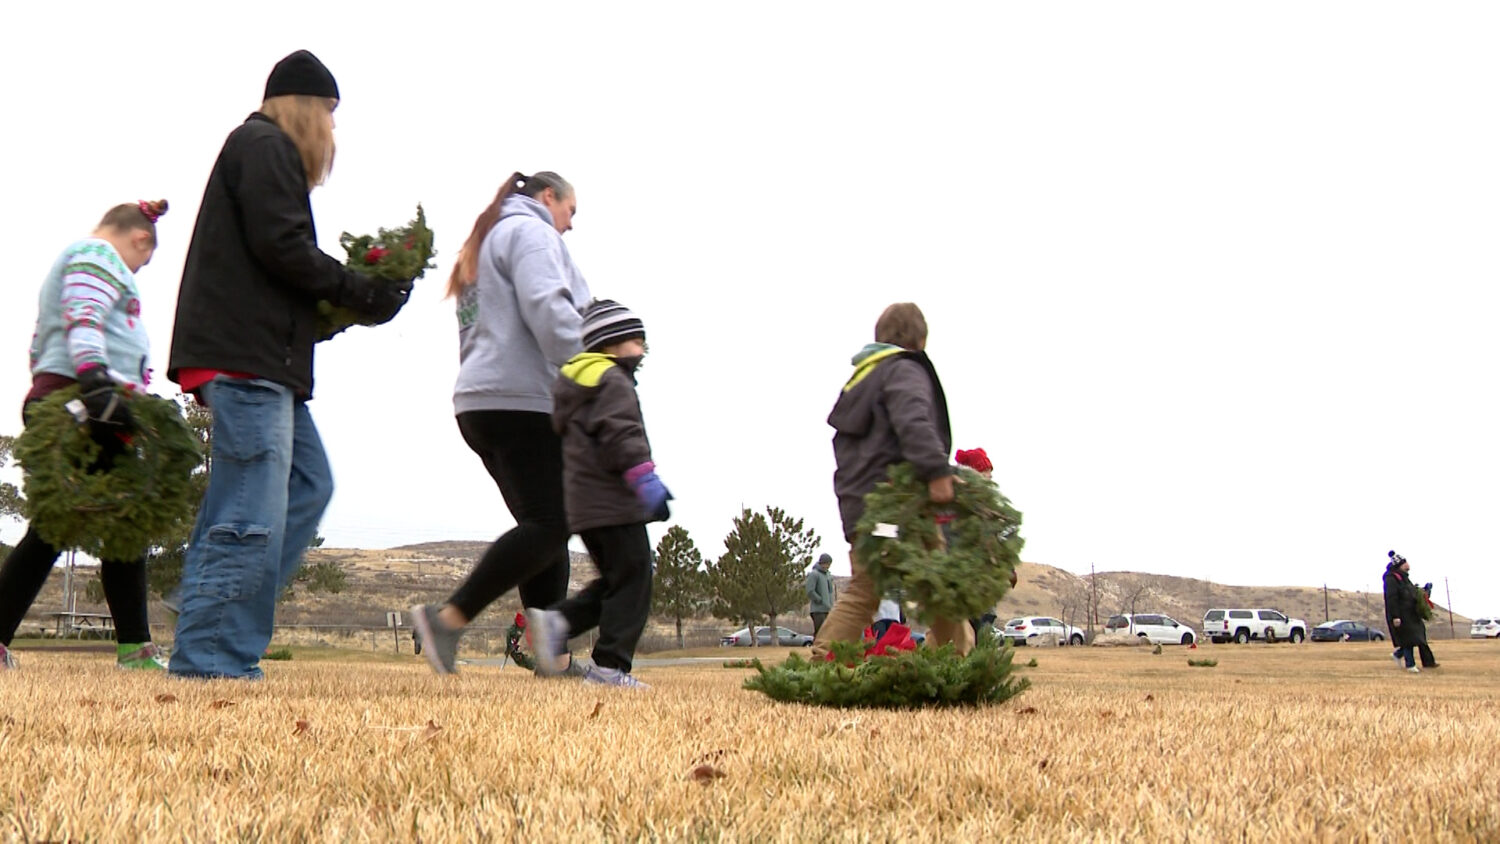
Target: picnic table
point(81, 624)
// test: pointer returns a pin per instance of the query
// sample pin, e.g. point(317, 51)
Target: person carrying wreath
point(891, 410)
point(89, 332)
point(247, 323)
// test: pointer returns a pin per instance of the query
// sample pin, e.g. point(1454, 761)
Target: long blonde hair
point(308, 121)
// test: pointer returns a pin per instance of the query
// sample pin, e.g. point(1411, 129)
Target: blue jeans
point(1408, 654)
point(269, 485)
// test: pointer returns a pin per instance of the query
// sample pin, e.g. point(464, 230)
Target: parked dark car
point(1345, 631)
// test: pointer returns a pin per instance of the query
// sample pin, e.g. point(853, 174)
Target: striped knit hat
point(606, 322)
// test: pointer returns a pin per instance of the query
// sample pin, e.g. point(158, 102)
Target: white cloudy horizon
point(1212, 285)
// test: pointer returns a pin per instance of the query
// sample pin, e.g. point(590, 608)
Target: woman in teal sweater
point(89, 332)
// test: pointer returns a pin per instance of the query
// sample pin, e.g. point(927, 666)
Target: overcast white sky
point(1214, 285)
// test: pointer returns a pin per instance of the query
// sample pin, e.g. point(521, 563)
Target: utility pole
point(1325, 602)
point(1452, 634)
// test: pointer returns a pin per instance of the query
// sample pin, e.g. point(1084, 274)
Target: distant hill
point(395, 578)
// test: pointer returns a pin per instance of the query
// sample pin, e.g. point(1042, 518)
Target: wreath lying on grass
point(948, 561)
point(924, 677)
point(400, 254)
point(117, 514)
point(513, 637)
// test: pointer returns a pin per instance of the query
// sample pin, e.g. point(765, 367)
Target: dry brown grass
point(1311, 742)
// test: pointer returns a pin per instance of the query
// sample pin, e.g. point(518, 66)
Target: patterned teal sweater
point(89, 314)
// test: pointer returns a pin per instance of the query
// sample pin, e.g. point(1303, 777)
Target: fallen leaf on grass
point(598, 705)
point(166, 698)
point(1026, 710)
point(1150, 697)
point(432, 730)
point(221, 703)
point(705, 774)
point(87, 701)
point(303, 726)
point(1042, 765)
point(1106, 714)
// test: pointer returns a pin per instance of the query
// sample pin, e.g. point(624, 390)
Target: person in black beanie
point(247, 316)
point(1403, 613)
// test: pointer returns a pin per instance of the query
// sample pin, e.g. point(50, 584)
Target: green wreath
point(399, 254)
point(115, 515)
point(956, 570)
point(513, 636)
point(925, 677)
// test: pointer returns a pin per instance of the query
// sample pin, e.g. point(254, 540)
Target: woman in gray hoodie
point(519, 302)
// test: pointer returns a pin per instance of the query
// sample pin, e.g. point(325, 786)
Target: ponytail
point(466, 268)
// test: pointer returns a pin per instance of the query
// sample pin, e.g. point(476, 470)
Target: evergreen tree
point(164, 563)
point(12, 501)
point(681, 588)
point(761, 572)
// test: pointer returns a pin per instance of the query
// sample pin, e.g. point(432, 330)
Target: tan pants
point(854, 609)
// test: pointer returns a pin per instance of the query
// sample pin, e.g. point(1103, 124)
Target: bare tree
point(1093, 599)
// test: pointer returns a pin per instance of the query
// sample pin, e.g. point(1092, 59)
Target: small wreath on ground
point(513, 638)
point(924, 677)
point(394, 255)
point(948, 561)
point(118, 514)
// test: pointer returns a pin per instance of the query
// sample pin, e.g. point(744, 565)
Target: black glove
point(378, 300)
point(106, 407)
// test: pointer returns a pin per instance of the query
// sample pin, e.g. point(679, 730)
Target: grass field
point(1310, 742)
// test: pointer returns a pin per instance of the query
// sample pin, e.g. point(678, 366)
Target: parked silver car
point(785, 637)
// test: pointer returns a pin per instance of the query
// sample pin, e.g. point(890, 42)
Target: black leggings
point(25, 572)
point(524, 456)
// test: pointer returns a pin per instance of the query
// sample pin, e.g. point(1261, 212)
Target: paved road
point(643, 662)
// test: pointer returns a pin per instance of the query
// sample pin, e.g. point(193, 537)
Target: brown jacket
point(597, 414)
point(892, 410)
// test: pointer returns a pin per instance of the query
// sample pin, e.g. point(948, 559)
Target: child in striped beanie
point(611, 491)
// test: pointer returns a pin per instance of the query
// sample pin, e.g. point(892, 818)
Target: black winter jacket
point(254, 273)
point(1401, 597)
point(597, 414)
point(892, 410)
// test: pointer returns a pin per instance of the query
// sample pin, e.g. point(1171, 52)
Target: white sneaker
point(549, 639)
point(613, 677)
point(1414, 670)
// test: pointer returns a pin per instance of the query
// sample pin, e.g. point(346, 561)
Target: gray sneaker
point(578, 668)
point(439, 641)
point(549, 639)
point(613, 677)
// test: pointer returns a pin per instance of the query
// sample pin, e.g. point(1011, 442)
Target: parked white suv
point(1022, 631)
point(1485, 628)
point(1161, 629)
point(1242, 625)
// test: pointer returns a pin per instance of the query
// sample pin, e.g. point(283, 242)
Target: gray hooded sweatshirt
point(520, 322)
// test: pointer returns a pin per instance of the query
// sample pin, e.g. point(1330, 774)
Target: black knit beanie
point(301, 73)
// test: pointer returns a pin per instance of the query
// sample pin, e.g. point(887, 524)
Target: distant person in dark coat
point(1403, 612)
point(820, 591)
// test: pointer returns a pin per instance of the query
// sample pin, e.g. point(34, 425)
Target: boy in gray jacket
point(611, 491)
point(891, 410)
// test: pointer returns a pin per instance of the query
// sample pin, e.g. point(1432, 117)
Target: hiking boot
point(612, 677)
point(7, 660)
point(140, 657)
point(439, 641)
point(549, 640)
